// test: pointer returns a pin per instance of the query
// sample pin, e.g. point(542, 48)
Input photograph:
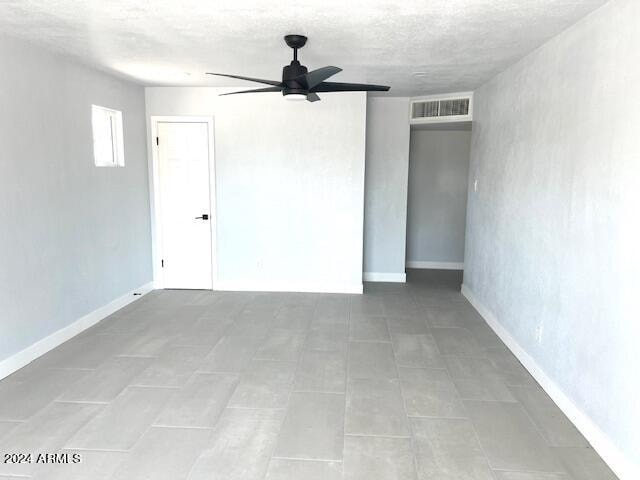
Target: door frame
point(154, 193)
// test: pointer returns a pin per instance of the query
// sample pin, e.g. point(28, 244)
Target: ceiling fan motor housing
point(289, 74)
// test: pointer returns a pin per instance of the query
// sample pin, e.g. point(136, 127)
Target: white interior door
point(185, 203)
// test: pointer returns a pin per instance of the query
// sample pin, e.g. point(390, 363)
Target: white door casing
point(183, 190)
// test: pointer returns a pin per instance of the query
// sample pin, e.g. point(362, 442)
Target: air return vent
point(442, 109)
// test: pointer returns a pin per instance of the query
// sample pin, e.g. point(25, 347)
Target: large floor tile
point(173, 367)
point(368, 329)
point(490, 389)
point(288, 469)
point(460, 314)
point(313, 428)
point(457, 341)
point(150, 460)
point(84, 352)
point(484, 335)
point(366, 305)
point(281, 344)
point(231, 354)
point(250, 325)
point(416, 351)
point(264, 384)
point(477, 379)
point(121, 423)
point(408, 325)
point(399, 304)
point(107, 381)
point(510, 369)
point(7, 427)
point(430, 393)
point(509, 438)
point(447, 449)
point(205, 331)
point(378, 458)
point(470, 367)
point(371, 360)
point(295, 316)
point(584, 464)
point(20, 399)
point(554, 426)
point(375, 407)
point(45, 432)
point(331, 309)
point(240, 446)
point(150, 342)
point(200, 402)
point(328, 337)
point(321, 372)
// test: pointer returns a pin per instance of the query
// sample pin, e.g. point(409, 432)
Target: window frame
point(114, 136)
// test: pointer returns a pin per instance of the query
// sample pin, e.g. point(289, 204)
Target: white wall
point(553, 230)
point(73, 237)
point(385, 211)
point(437, 205)
point(289, 186)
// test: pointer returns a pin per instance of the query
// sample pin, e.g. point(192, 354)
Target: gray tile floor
point(404, 382)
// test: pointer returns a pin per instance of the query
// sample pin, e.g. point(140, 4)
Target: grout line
point(544, 472)
point(189, 427)
point(325, 460)
point(254, 408)
point(439, 418)
point(412, 441)
point(346, 374)
point(328, 392)
point(89, 402)
point(168, 387)
point(124, 355)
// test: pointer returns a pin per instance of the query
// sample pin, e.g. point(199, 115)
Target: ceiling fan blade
point(315, 77)
point(256, 90)
point(348, 87)
point(258, 80)
point(312, 97)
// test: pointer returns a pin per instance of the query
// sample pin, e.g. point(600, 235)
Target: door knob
point(205, 216)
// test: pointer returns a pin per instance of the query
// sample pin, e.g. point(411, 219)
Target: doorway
point(437, 196)
point(183, 202)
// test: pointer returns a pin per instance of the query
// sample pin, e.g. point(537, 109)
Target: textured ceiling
point(455, 44)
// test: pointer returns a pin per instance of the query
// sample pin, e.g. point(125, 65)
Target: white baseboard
point(293, 287)
point(622, 466)
point(29, 354)
point(435, 265)
point(384, 277)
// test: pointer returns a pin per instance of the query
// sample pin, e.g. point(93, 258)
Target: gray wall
point(553, 230)
point(387, 164)
point(289, 186)
point(438, 173)
point(73, 237)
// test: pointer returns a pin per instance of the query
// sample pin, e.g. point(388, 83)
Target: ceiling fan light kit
point(300, 84)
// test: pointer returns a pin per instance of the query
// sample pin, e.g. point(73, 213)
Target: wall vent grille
point(426, 109)
point(441, 109)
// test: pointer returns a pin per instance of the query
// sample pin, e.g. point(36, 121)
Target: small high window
point(108, 144)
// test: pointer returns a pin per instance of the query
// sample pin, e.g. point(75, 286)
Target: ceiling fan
point(298, 83)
